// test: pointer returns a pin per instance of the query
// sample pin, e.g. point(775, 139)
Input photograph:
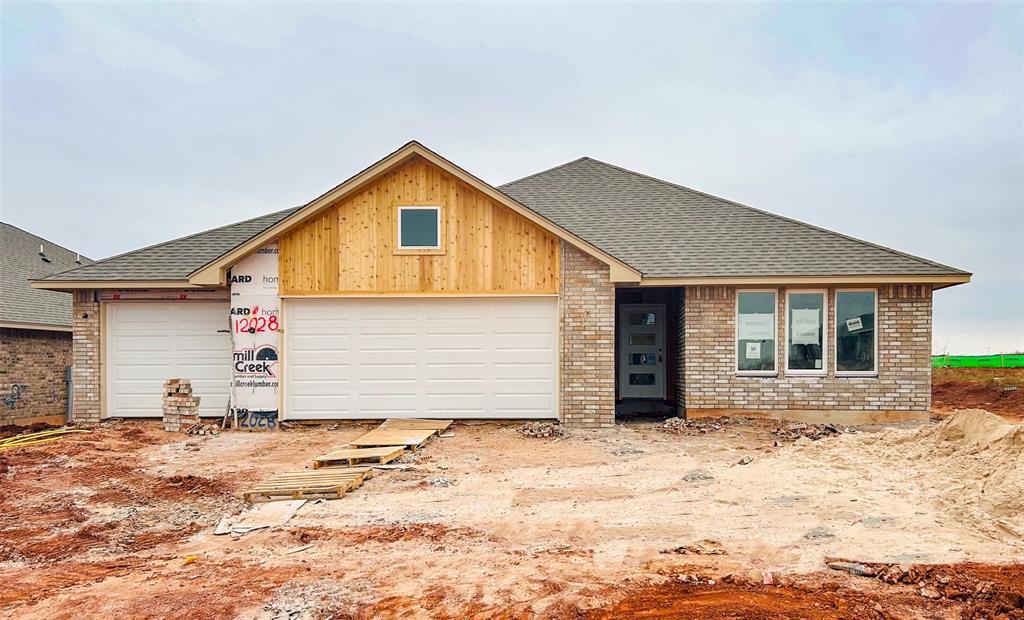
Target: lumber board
point(351, 456)
point(408, 437)
point(330, 483)
point(438, 426)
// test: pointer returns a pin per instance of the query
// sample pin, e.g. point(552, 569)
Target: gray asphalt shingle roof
point(666, 230)
point(20, 262)
point(175, 259)
point(657, 227)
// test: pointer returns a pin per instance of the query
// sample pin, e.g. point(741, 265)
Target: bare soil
point(629, 522)
point(999, 390)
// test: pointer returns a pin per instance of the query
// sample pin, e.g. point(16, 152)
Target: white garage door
point(454, 358)
point(148, 343)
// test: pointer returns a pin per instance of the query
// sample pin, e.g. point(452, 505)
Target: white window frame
point(736, 334)
point(835, 353)
point(415, 248)
point(810, 372)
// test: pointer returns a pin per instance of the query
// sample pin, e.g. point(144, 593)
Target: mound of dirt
point(974, 459)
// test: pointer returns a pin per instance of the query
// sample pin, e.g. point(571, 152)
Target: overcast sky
point(126, 125)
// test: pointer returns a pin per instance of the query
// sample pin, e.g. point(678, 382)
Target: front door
point(642, 351)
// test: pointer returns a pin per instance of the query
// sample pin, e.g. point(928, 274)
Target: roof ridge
point(44, 239)
point(774, 215)
point(552, 169)
point(169, 241)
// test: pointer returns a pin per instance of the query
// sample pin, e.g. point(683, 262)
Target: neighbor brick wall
point(86, 357)
point(587, 341)
point(904, 358)
point(35, 359)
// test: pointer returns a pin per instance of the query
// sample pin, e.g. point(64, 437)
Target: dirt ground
point(999, 390)
point(628, 522)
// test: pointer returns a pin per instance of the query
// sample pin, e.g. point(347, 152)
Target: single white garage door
point(150, 342)
point(453, 358)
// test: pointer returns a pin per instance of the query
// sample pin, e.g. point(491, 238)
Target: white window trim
point(810, 372)
point(398, 228)
point(736, 334)
point(835, 353)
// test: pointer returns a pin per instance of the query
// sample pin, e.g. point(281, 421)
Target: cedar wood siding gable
point(350, 248)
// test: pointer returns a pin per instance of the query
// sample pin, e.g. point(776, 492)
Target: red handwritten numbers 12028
point(256, 325)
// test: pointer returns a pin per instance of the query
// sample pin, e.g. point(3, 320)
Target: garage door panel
point(319, 372)
point(150, 342)
point(468, 358)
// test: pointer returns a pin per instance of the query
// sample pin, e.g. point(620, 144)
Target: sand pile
point(971, 466)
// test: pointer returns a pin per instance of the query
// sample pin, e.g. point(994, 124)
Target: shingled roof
point(173, 260)
point(667, 230)
point(20, 261)
point(660, 229)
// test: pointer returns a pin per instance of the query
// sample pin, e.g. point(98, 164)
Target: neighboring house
point(416, 289)
point(35, 329)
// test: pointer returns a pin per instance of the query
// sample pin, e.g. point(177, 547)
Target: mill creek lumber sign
point(255, 337)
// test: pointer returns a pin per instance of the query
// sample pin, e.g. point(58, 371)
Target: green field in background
point(978, 361)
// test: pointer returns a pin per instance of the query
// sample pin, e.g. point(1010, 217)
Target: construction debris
point(703, 547)
point(681, 426)
point(814, 432)
point(202, 429)
point(181, 408)
point(541, 429)
point(935, 581)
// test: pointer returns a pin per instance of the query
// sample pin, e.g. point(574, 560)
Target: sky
point(124, 125)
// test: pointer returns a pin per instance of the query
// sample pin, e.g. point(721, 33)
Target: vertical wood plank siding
point(351, 247)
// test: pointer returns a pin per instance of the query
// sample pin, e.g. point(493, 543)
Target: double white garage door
point(350, 359)
point(456, 358)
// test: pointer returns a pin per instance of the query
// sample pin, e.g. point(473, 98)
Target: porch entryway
point(648, 350)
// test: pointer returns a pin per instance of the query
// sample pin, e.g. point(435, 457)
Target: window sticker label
point(756, 326)
point(806, 322)
point(854, 324)
point(753, 350)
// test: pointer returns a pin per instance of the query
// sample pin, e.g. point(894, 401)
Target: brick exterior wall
point(86, 392)
point(35, 359)
point(903, 383)
point(587, 341)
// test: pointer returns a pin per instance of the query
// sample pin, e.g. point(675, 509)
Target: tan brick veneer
point(587, 347)
point(904, 359)
point(35, 359)
point(86, 357)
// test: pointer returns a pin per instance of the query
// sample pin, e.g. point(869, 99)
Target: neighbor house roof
point(655, 231)
point(172, 260)
point(670, 231)
point(21, 261)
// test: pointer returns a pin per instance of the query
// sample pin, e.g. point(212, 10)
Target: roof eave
point(938, 281)
point(45, 327)
point(68, 286)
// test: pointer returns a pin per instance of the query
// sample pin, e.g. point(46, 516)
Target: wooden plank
point(351, 246)
point(438, 426)
point(308, 484)
point(410, 438)
point(351, 456)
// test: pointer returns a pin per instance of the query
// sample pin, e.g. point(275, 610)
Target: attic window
point(419, 229)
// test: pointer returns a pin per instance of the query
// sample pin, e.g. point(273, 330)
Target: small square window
point(419, 228)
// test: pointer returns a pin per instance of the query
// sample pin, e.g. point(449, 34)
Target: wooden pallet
point(351, 456)
point(438, 426)
point(408, 437)
point(329, 483)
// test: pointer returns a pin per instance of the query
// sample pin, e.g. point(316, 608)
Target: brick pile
point(181, 408)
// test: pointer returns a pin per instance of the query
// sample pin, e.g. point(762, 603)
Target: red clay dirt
point(999, 390)
point(118, 523)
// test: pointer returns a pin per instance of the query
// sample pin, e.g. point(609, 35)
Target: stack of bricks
point(181, 409)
